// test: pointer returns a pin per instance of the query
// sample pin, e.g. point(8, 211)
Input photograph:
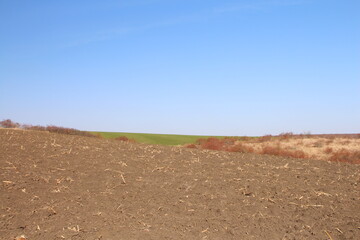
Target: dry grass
point(340, 148)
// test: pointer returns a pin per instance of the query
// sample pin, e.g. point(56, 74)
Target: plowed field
point(55, 186)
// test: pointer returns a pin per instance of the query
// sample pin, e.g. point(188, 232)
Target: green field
point(163, 139)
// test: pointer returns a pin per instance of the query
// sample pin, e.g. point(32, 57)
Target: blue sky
point(215, 67)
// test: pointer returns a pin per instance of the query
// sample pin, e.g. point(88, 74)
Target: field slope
point(55, 186)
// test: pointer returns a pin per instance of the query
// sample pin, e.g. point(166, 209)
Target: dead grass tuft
point(240, 147)
point(211, 143)
point(318, 144)
point(286, 135)
point(328, 150)
point(265, 138)
point(68, 131)
point(278, 151)
point(344, 155)
point(124, 139)
point(192, 145)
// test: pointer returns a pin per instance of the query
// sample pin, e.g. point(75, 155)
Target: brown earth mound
point(55, 186)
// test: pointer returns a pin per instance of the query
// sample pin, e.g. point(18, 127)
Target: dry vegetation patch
point(332, 148)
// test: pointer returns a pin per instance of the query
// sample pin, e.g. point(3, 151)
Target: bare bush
point(265, 138)
point(35, 128)
point(286, 135)
point(9, 124)
point(55, 129)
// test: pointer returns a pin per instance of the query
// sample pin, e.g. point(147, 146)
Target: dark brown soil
point(55, 186)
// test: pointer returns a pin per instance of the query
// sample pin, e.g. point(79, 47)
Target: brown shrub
point(286, 136)
point(9, 124)
point(36, 128)
point(345, 142)
point(278, 151)
point(124, 139)
point(328, 142)
point(239, 147)
point(318, 144)
point(300, 143)
point(211, 143)
point(270, 150)
point(305, 135)
point(344, 155)
point(296, 154)
point(98, 135)
point(328, 150)
point(69, 131)
point(265, 138)
point(191, 145)
point(329, 136)
point(245, 139)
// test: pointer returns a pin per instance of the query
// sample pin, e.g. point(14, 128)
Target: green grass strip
point(162, 139)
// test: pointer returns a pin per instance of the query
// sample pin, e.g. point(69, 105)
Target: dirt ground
point(55, 186)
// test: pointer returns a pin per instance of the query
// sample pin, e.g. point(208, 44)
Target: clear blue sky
point(214, 67)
